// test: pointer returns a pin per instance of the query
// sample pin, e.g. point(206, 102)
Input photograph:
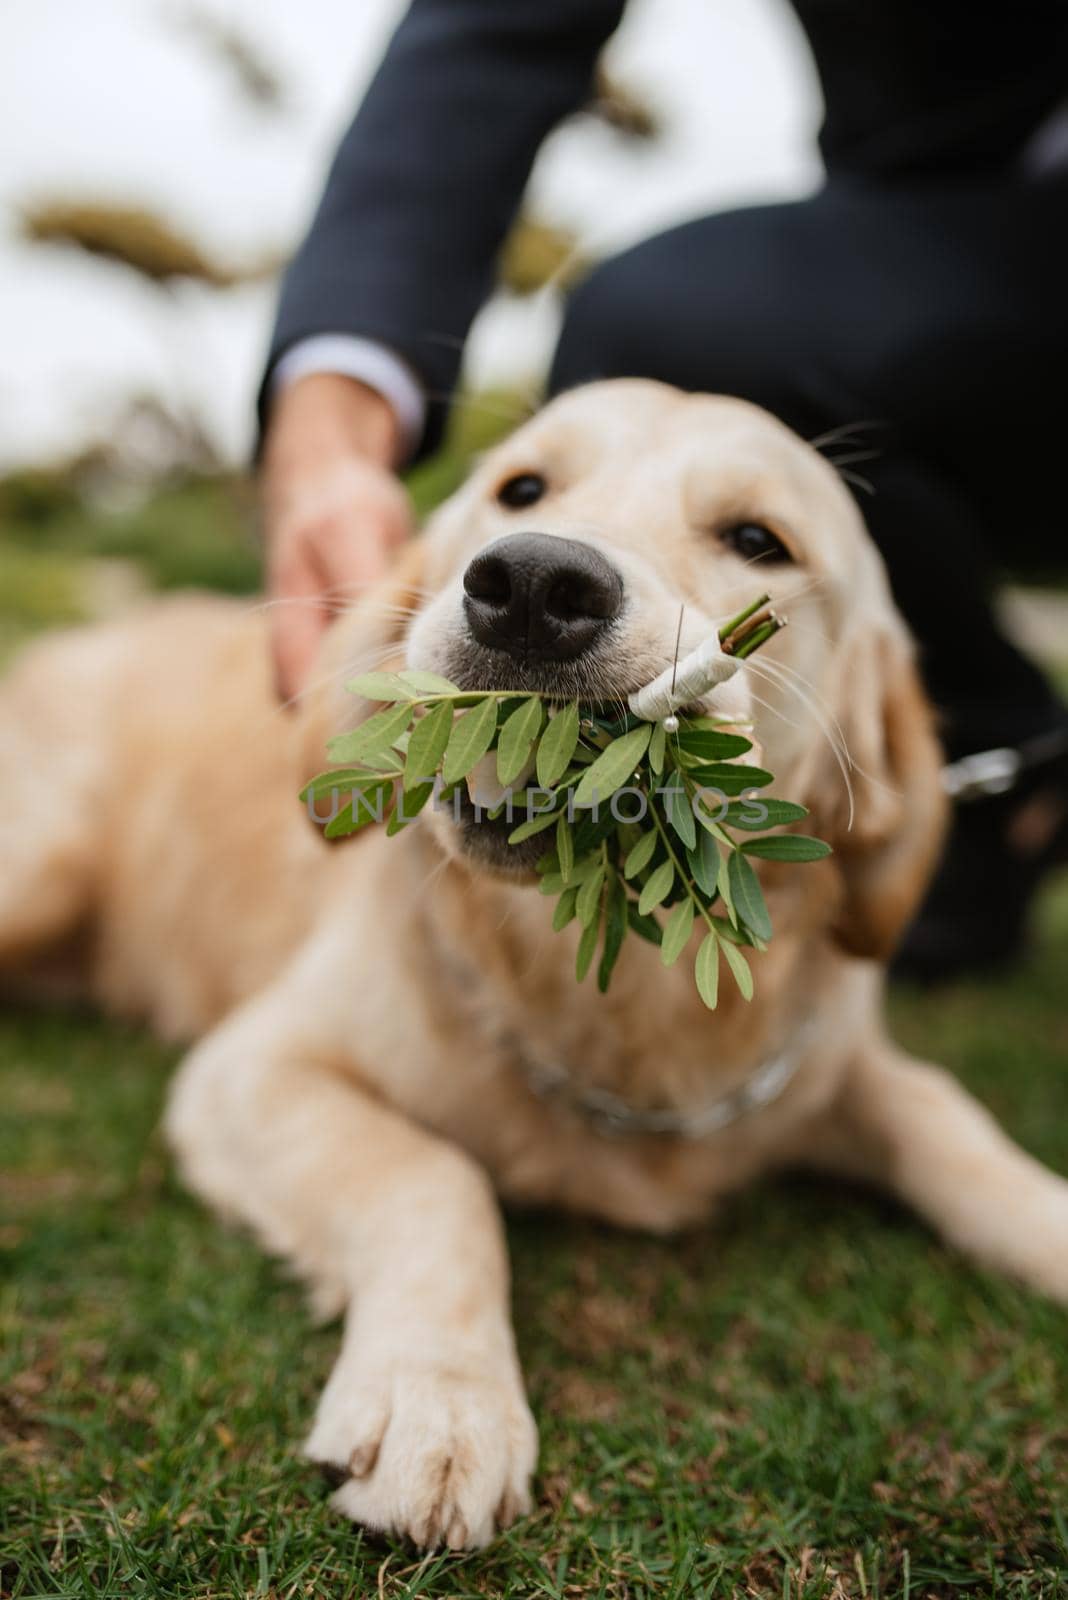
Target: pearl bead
point(671, 724)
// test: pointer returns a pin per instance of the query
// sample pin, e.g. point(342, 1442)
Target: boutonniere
point(652, 819)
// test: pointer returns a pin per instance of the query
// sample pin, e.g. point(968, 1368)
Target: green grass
point(190, 534)
point(195, 534)
point(812, 1398)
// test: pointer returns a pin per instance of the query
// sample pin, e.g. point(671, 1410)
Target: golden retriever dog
point(390, 1033)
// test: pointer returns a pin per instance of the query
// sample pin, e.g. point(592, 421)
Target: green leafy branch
point(644, 816)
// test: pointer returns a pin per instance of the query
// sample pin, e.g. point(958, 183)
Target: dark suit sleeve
point(429, 175)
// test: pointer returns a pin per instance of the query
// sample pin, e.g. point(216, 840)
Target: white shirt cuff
point(368, 361)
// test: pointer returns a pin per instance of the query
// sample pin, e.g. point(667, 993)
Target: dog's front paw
point(438, 1455)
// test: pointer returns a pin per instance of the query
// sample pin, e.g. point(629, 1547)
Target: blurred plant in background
point(152, 437)
point(150, 502)
point(131, 237)
point(622, 107)
point(253, 74)
point(539, 255)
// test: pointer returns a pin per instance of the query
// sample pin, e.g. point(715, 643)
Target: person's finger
point(320, 565)
point(361, 551)
point(297, 624)
point(352, 564)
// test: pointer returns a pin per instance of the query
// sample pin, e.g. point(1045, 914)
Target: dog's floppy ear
point(887, 840)
point(358, 641)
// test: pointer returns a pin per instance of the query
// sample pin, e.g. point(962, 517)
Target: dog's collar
point(994, 772)
point(613, 1117)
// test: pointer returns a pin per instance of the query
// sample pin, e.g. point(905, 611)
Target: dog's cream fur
point(355, 1095)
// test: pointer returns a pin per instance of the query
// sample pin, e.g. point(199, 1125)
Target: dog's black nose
point(533, 594)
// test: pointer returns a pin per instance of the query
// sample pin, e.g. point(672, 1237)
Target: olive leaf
point(728, 777)
point(657, 888)
point(516, 740)
point(677, 932)
point(587, 945)
point(565, 847)
point(706, 970)
point(757, 814)
point(533, 825)
point(680, 815)
point(645, 927)
point(381, 686)
point(787, 847)
point(588, 899)
point(371, 737)
point(657, 748)
point(723, 886)
point(338, 780)
point(407, 685)
point(426, 744)
point(615, 931)
point(409, 804)
point(704, 860)
point(641, 855)
point(557, 745)
point(367, 804)
point(748, 896)
point(743, 977)
point(709, 745)
point(471, 737)
point(425, 683)
point(613, 767)
point(565, 910)
point(552, 880)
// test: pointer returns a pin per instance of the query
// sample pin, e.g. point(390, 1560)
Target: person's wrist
point(326, 416)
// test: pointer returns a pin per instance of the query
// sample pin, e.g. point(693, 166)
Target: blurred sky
point(117, 101)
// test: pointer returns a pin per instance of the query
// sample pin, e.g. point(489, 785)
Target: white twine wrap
point(690, 680)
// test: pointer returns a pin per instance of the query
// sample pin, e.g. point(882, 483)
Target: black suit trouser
point(934, 313)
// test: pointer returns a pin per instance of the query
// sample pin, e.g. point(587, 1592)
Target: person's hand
point(334, 512)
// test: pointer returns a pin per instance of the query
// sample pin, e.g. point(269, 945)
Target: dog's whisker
point(869, 777)
point(858, 480)
point(812, 701)
point(318, 602)
point(366, 661)
point(793, 722)
point(776, 711)
point(390, 608)
point(806, 684)
point(843, 759)
point(842, 767)
point(854, 456)
point(362, 594)
point(855, 765)
point(430, 877)
point(822, 440)
point(331, 612)
point(841, 756)
point(334, 603)
point(794, 683)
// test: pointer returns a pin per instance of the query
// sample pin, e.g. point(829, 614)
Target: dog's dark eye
point(525, 489)
point(753, 542)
